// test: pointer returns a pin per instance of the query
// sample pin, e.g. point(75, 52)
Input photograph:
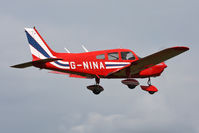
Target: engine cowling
point(154, 70)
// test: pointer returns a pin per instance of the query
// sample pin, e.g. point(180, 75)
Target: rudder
point(38, 47)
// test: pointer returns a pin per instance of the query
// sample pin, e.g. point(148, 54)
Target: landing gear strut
point(96, 89)
point(149, 81)
point(150, 88)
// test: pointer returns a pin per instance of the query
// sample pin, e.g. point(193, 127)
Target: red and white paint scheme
point(113, 63)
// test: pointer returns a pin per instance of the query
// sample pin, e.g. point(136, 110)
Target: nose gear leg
point(150, 88)
point(96, 88)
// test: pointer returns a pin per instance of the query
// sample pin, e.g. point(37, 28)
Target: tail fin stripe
point(35, 44)
point(43, 43)
point(36, 48)
point(40, 50)
point(36, 53)
point(61, 64)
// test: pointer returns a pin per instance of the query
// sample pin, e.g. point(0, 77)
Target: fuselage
point(102, 63)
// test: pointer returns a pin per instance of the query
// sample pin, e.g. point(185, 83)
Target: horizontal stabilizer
point(31, 63)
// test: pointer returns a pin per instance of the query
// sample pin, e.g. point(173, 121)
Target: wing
point(149, 61)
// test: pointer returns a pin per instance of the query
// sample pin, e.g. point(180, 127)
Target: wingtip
point(12, 66)
point(183, 48)
point(15, 66)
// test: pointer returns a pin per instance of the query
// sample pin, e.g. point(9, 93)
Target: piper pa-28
point(109, 64)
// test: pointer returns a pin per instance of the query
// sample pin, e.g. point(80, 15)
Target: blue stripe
point(61, 64)
point(35, 44)
point(116, 64)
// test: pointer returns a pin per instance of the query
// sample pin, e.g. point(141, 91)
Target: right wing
point(149, 61)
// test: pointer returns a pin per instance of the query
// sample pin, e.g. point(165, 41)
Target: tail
point(38, 47)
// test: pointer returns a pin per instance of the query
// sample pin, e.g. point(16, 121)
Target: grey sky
point(36, 101)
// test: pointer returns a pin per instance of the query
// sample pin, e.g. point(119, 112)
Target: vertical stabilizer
point(38, 47)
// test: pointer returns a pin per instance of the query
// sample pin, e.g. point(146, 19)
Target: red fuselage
point(91, 63)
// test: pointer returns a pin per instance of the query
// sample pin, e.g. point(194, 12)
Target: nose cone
point(164, 65)
point(154, 70)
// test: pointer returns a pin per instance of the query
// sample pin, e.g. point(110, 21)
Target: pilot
point(124, 55)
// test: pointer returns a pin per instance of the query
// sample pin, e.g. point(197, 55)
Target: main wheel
point(131, 86)
point(96, 91)
point(151, 92)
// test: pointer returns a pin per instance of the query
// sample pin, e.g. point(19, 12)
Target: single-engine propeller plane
point(108, 64)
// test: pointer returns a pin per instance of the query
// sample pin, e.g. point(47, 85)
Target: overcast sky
point(35, 101)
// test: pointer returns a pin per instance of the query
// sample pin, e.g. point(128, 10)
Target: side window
point(127, 56)
point(101, 56)
point(113, 56)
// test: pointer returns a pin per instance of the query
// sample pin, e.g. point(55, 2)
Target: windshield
point(127, 56)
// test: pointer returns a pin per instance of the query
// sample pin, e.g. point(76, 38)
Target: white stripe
point(112, 67)
point(63, 62)
point(41, 56)
point(36, 53)
point(63, 67)
point(117, 62)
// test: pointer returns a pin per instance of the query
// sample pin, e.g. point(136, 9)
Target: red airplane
point(109, 64)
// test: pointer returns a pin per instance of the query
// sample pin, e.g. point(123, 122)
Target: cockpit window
point(101, 56)
point(113, 56)
point(127, 56)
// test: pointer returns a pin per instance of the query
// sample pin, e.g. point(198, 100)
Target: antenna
point(84, 48)
point(67, 50)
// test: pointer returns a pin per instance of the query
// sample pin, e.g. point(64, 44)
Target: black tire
point(151, 92)
point(96, 91)
point(131, 86)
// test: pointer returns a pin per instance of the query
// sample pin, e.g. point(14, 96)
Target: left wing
point(149, 61)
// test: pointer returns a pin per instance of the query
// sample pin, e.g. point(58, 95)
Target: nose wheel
point(96, 88)
point(150, 88)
